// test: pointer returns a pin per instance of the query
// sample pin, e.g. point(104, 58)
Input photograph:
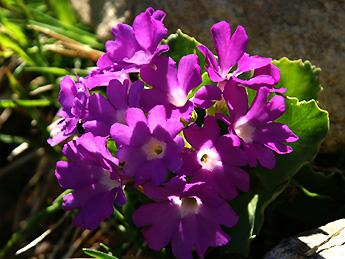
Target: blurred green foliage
point(40, 42)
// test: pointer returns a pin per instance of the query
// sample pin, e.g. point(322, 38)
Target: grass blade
point(25, 103)
point(98, 254)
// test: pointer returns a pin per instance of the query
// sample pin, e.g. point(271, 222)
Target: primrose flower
point(231, 51)
point(171, 86)
point(106, 72)
point(105, 112)
point(73, 98)
point(255, 129)
point(133, 47)
point(188, 215)
point(148, 146)
point(215, 160)
point(91, 173)
point(138, 45)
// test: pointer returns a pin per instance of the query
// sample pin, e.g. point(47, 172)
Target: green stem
point(129, 228)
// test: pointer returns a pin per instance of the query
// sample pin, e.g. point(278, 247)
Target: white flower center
point(154, 148)
point(188, 205)
point(244, 130)
point(177, 97)
point(109, 183)
point(209, 159)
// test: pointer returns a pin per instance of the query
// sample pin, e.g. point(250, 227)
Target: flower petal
point(149, 98)
point(271, 70)
point(211, 61)
point(133, 158)
point(274, 132)
point(161, 74)
point(258, 152)
point(134, 93)
point(154, 169)
point(228, 153)
point(172, 157)
point(100, 109)
point(198, 136)
point(279, 147)
point(164, 219)
point(190, 163)
point(206, 96)
point(125, 44)
point(93, 212)
point(189, 75)
point(255, 82)
point(67, 94)
point(149, 32)
point(190, 233)
point(229, 51)
point(75, 175)
point(248, 63)
point(162, 128)
point(135, 115)
point(236, 99)
point(117, 93)
point(97, 127)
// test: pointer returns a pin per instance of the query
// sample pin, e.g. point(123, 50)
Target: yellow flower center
point(154, 148)
point(209, 159)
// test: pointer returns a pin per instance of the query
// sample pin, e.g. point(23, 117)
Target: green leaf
point(313, 196)
point(9, 43)
point(111, 145)
point(64, 11)
point(82, 38)
point(12, 139)
point(16, 87)
point(47, 19)
point(301, 79)
point(98, 254)
point(180, 45)
point(250, 208)
point(330, 184)
point(25, 103)
point(13, 30)
point(58, 71)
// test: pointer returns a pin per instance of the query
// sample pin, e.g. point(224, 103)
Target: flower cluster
point(189, 171)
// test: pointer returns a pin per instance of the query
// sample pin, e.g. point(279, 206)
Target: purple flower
point(148, 146)
point(91, 173)
point(231, 50)
point(255, 129)
point(214, 160)
point(188, 215)
point(138, 45)
point(133, 47)
point(105, 112)
point(171, 86)
point(73, 98)
point(106, 72)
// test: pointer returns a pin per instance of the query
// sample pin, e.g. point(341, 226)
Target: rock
point(297, 247)
point(307, 30)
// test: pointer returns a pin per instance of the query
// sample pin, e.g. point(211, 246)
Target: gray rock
point(328, 242)
point(307, 30)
